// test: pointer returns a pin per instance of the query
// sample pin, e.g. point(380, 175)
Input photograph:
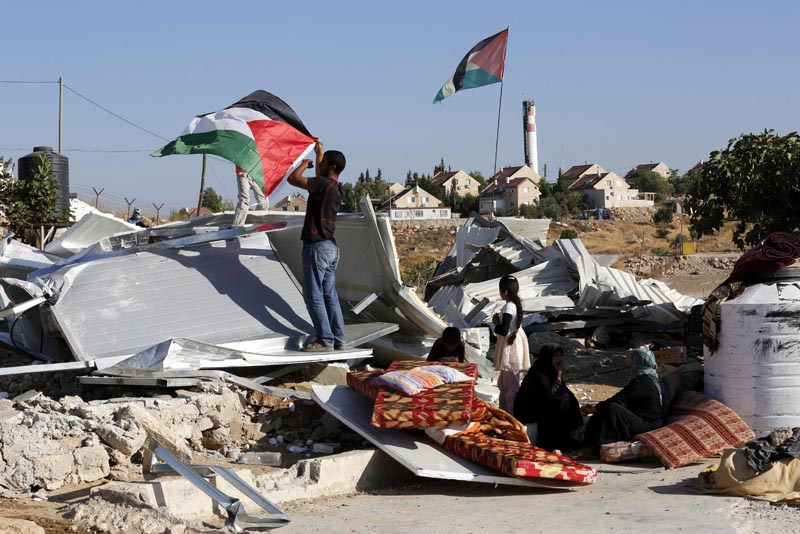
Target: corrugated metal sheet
point(469, 240)
point(544, 287)
point(89, 230)
point(217, 292)
point(531, 229)
point(607, 287)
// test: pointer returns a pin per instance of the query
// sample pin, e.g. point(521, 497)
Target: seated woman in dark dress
point(544, 398)
point(635, 409)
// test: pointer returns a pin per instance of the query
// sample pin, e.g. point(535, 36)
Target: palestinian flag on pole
point(260, 133)
point(483, 65)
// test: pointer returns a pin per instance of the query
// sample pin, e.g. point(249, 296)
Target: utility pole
point(97, 196)
point(60, 109)
point(202, 187)
point(129, 202)
point(158, 211)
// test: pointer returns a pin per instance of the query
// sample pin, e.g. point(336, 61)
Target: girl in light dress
point(511, 355)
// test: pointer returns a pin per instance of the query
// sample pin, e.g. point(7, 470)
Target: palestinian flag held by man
point(483, 65)
point(260, 133)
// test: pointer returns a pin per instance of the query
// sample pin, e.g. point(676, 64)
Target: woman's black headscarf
point(544, 362)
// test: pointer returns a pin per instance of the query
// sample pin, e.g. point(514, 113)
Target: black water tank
point(27, 164)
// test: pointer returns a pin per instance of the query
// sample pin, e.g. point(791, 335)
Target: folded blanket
point(700, 427)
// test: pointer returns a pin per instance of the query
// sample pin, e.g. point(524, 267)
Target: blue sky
point(619, 83)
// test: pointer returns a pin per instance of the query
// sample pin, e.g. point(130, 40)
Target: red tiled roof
point(505, 172)
point(442, 177)
point(587, 181)
point(498, 186)
point(575, 171)
point(646, 166)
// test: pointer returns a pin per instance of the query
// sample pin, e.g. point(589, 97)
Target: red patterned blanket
point(700, 427)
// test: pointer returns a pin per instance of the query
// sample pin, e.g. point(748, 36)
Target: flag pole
point(497, 135)
point(202, 186)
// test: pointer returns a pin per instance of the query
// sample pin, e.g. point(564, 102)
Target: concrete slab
point(309, 479)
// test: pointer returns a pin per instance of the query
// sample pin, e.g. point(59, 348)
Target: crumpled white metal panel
point(469, 240)
point(543, 287)
point(604, 286)
point(217, 292)
point(90, 229)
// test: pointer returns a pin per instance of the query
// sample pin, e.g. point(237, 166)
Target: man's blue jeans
point(320, 259)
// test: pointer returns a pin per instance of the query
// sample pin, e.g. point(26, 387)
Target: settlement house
point(659, 168)
point(604, 189)
point(510, 188)
point(294, 202)
point(457, 183)
point(415, 203)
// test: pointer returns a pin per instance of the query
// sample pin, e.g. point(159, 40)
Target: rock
point(329, 374)
point(246, 431)
point(217, 439)
point(20, 526)
point(51, 471)
point(125, 441)
point(92, 463)
point(158, 431)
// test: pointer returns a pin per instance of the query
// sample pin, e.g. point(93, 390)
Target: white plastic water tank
point(756, 369)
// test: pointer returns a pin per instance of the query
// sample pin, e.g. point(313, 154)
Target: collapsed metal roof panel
point(543, 287)
point(90, 229)
point(218, 292)
point(531, 229)
point(469, 240)
point(607, 287)
point(419, 456)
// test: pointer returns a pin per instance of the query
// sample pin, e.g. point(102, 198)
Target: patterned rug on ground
point(700, 427)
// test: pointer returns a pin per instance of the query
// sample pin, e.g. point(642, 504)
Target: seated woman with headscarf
point(634, 410)
point(544, 398)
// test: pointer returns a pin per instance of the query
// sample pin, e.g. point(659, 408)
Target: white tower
point(529, 127)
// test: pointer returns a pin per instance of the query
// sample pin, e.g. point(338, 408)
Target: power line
point(86, 150)
point(114, 114)
point(22, 81)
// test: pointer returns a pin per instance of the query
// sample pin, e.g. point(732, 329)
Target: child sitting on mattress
point(448, 348)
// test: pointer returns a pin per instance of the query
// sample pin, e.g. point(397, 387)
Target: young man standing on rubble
point(320, 252)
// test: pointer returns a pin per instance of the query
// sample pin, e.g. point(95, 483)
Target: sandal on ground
point(316, 346)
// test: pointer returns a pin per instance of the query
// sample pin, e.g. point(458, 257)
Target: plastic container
point(756, 369)
point(60, 163)
point(261, 458)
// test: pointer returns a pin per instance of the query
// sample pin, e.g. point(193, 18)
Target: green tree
point(753, 181)
point(649, 182)
point(439, 168)
point(478, 177)
point(545, 188)
point(663, 216)
point(212, 201)
point(31, 202)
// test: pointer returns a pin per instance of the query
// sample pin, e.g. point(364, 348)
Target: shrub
point(569, 233)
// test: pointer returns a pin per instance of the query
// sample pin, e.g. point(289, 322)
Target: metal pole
point(130, 203)
point(97, 196)
point(202, 186)
point(60, 109)
point(497, 136)
point(158, 212)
